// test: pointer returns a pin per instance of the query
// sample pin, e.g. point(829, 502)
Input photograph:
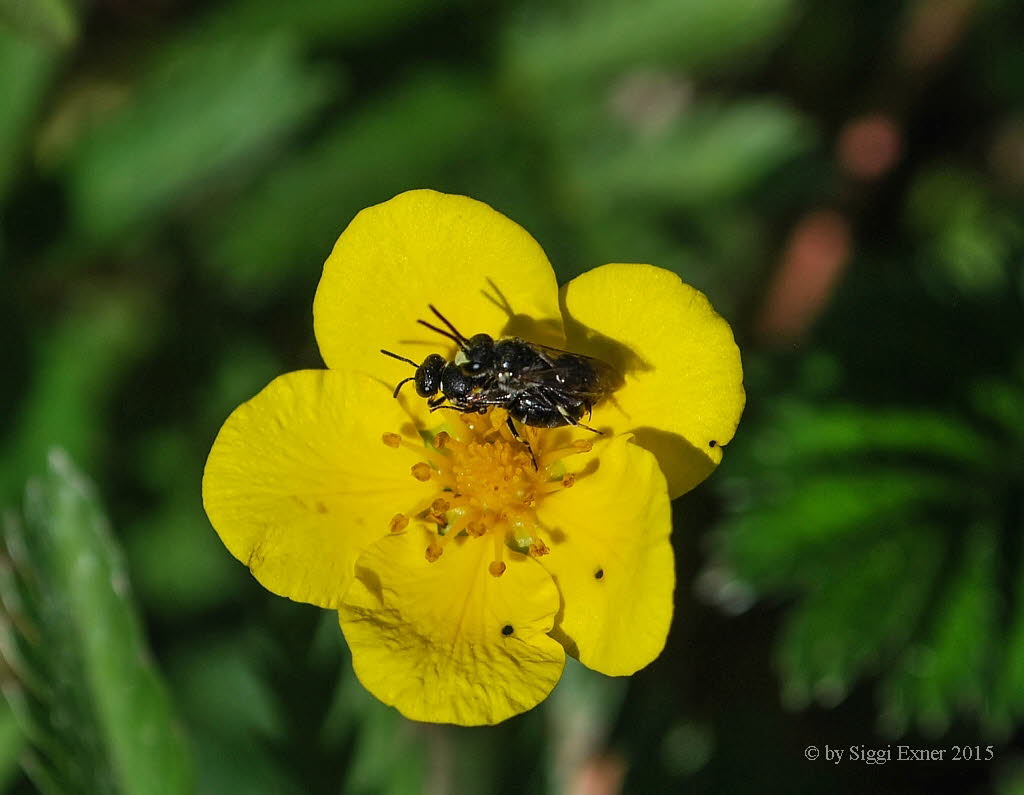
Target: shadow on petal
point(543, 331)
point(547, 331)
point(684, 464)
point(582, 339)
point(371, 580)
point(570, 646)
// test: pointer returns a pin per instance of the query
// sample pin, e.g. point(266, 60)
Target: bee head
point(428, 375)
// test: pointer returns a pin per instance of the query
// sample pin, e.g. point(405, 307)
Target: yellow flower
point(462, 574)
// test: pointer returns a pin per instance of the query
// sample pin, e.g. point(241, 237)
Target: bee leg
point(575, 423)
point(515, 433)
point(437, 401)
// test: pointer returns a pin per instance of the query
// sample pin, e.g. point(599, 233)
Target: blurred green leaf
point(381, 737)
point(387, 753)
point(1010, 779)
point(809, 436)
point(25, 72)
point(594, 39)
point(181, 564)
point(888, 526)
point(710, 156)
point(231, 712)
point(202, 111)
point(806, 525)
point(1008, 695)
point(313, 20)
point(848, 623)
point(76, 370)
point(950, 669)
point(286, 226)
point(1002, 402)
point(12, 742)
point(88, 697)
point(965, 236)
point(52, 21)
point(245, 367)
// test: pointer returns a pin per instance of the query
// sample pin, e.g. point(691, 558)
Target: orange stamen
point(497, 566)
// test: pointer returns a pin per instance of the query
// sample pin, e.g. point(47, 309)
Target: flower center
point(494, 475)
point(488, 484)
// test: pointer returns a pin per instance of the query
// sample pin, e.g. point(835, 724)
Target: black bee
point(538, 386)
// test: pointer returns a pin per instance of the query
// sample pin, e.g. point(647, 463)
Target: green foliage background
point(172, 175)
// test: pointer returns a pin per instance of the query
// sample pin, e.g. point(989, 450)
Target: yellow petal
point(683, 394)
point(446, 642)
point(481, 270)
point(298, 481)
point(611, 559)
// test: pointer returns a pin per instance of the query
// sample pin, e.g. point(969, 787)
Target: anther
point(497, 567)
point(440, 505)
point(568, 481)
point(441, 440)
point(476, 529)
point(391, 439)
point(434, 551)
point(583, 445)
point(421, 471)
point(538, 548)
point(399, 522)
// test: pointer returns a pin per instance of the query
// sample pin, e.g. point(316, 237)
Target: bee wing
point(558, 352)
point(571, 374)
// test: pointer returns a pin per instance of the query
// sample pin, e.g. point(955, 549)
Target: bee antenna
point(460, 340)
point(402, 383)
point(458, 334)
point(400, 358)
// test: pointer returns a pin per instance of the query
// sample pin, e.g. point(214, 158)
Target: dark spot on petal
point(599, 574)
point(712, 443)
point(321, 508)
point(507, 630)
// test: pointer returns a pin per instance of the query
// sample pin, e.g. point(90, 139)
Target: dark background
point(844, 179)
